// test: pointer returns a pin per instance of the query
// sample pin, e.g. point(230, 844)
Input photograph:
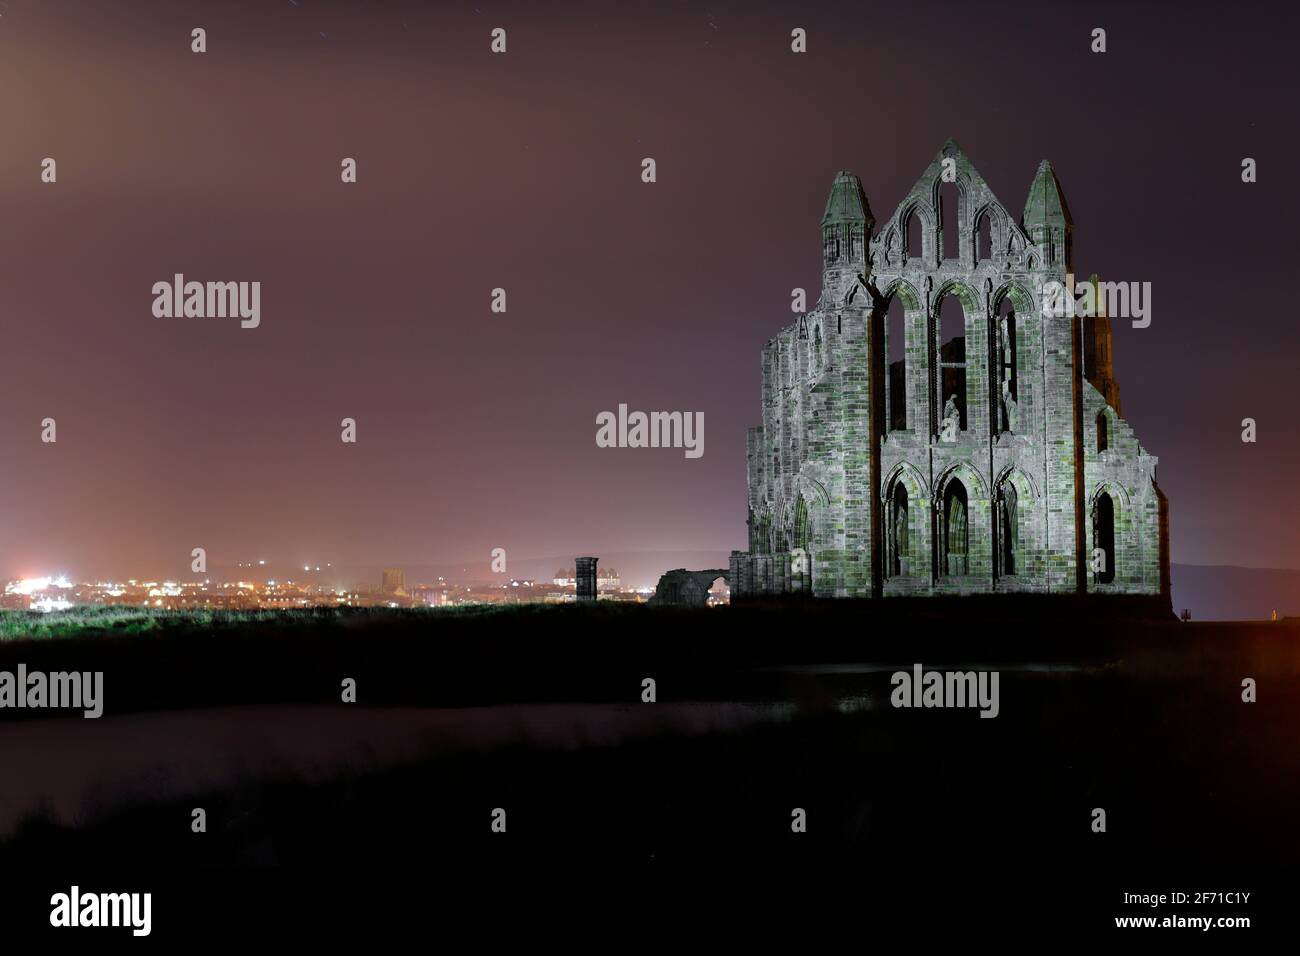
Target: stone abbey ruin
point(928, 430)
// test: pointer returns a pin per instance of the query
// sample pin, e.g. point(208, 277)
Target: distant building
point(431, 595)
point(394, 581)
point(586, 574)
point(606, 579)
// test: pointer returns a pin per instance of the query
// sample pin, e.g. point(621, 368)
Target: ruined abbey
point(928, 429)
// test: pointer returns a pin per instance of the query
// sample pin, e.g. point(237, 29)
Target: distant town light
point(47, 604)
point(29, 586)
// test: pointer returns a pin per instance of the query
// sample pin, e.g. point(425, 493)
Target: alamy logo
point(946, 689)
point(208, 300)
point(103, 909)
point(653, 430)
point(78, 690)
point(1122, 300)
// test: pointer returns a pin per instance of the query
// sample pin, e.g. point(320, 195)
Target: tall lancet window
point(955, 529)
point(897, 531)
point(1008, 530)
point(1103, 539)
point(1008, 361)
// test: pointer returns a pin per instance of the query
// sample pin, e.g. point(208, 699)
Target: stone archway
point(963, 545)
point(906, 523)
point(687, 588)
point(1015, 534)
point(957, 374)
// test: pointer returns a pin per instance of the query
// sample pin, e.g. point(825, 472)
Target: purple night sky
point(477, 430)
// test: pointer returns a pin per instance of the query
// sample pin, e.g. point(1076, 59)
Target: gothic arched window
point(897, 530)
point(915, 244)
point(1008, 529)
point(984, 238)
point(1008, 388)
point(956, 529)
point(950, 219)
point(952, 363)
point(800, 524)
point(896, 363)
point(1103, 538)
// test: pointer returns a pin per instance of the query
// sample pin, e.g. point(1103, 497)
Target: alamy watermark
point(946, 689)
point(75, 908)
point(208, 300)
point(78, 690)
point(651, 430)
point(1122, 300)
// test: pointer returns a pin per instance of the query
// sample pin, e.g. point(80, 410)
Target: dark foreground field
point(760, 710)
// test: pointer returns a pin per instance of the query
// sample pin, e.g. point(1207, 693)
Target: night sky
point(477, 430)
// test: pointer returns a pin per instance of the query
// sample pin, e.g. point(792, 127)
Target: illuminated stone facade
point(895, 459)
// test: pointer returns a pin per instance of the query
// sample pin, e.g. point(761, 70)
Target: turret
point(846, 230)
point(1047, 220)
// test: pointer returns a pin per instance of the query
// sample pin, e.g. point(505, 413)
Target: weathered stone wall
point(687, 588)
point(870, 504)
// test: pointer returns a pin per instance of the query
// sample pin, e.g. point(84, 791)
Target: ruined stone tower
point(928, 429)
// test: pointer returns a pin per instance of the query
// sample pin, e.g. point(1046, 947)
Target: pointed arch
point(762, 532)
point(965, 293)
point(995, 217)
point(951, 204)
point(954, 224)
point(1103, 539)
point(1114, 489)
point(954, 529)
point(906, 471)
point(799, 537)
point(1008, 530)
point(897, 531)
point(969, 475)
point(1020, 298)
point(949, 350)
point(900, 318)
point(962, 531)
point(1015, 336)
point(783, 528)
point(962, 182)
point(1015, 540)
point(857, 291)
point(813, 490)
point(906, 522)
point(926, 227)
point(1025, 484)
point(1111, 533)
point(984, 237)
point(904, 290)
